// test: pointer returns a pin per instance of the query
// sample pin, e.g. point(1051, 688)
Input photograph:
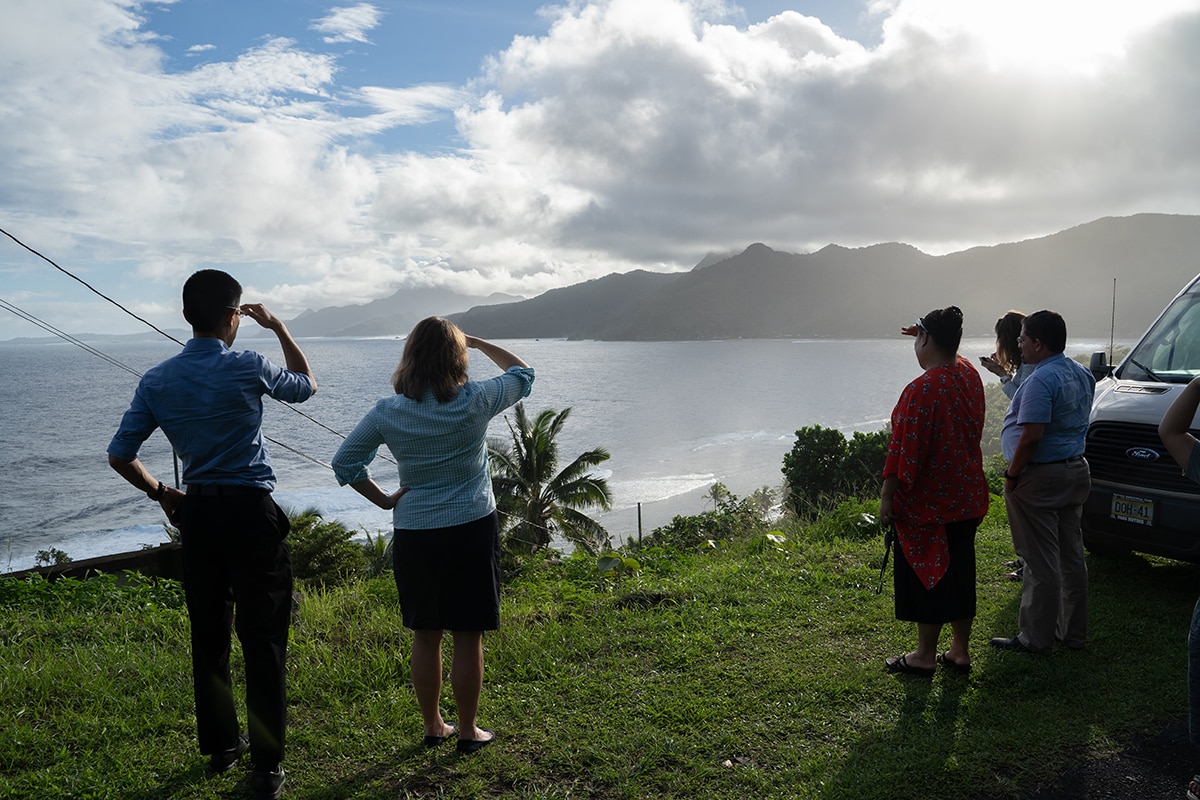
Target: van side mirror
point(1100, 367)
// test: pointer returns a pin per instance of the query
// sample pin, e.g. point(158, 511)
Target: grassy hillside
point(747, 668)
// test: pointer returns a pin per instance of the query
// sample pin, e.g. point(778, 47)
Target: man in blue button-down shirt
point(1045, 486)
point(208, 402)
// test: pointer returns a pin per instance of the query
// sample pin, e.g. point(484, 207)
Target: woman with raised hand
point(935, 494)
point(1006, 362)
point(446, 543)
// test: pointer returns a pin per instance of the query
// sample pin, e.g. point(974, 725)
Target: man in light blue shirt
point(1045, 486)
point(208, 402)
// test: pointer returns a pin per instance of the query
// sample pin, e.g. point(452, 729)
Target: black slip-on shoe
point(434, 741)
point(468, 746)
point(228, 759)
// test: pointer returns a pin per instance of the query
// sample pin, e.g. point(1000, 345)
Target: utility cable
point(45, 326)
point(115, 362)
point(72, 276)
point(66, 336)
point(121, 365)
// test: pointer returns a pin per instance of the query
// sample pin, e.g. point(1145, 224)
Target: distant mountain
point(871, 291)
point(591, 310)
point(389, 316)
point(713, 258)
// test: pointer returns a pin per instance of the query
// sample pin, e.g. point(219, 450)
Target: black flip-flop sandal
point(899, 665)
point(952, 665)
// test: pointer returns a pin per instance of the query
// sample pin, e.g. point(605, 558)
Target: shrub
point(994, 467)
point(853, 518)
point(105, 592)
point(377, 550)
point(824, 468)
point(813, 466)
point(734, 518)
point(51, 557)
point(322, 552)
point(862, 468)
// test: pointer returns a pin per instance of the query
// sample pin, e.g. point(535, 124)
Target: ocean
point(676, 417)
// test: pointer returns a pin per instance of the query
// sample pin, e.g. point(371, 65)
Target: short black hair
point(1049, 328)
point(945, 325)
point(207, 298)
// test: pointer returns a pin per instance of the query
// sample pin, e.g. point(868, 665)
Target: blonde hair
point(435, 358)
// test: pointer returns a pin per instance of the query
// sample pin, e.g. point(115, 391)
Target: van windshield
point(1170, 351)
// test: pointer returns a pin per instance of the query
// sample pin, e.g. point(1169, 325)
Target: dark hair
point(1049, 328)
point(945, 326)
point(208, 297)
point(435, 357)
point(1008, 328)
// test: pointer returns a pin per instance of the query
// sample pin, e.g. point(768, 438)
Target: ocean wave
point(628, 493)
point(733, 438)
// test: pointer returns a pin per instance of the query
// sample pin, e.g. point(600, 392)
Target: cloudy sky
point(333, 153)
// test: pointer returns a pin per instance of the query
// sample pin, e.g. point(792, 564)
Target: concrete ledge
point(163, 561)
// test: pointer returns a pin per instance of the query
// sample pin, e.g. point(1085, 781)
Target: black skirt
point(449, 578)
point(953, 597)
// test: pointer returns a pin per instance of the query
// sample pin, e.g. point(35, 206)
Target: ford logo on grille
point(1142, 454)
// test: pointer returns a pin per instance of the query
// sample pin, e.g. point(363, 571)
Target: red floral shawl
point(934, 453)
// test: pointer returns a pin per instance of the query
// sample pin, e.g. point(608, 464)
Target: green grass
point(750, 670)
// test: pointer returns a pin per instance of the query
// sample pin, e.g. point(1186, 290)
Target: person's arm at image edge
point(1173, 429)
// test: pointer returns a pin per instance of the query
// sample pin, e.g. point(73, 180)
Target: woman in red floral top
point(935, 494)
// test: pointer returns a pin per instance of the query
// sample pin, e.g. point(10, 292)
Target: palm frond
point(583, 531)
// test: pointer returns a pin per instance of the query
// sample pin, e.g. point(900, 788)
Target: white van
point(1140, 499)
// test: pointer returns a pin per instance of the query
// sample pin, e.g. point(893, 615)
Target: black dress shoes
point(228, 759)
point(268, 785)
point(1014, 645)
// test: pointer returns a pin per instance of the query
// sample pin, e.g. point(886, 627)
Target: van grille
point(1107, 445)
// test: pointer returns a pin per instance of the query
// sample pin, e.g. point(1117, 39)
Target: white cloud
point(349, 23)
point(412, 105)
point(635, 133)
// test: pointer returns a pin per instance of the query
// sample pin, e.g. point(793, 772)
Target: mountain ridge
point(871, 291)
point(833, 292)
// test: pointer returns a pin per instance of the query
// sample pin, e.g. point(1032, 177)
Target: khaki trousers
point(1044, 512)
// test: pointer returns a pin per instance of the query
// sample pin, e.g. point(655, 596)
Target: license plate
point(1133, 509)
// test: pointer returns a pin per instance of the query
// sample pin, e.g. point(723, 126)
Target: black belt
point(226, 490)
point(1060, 461)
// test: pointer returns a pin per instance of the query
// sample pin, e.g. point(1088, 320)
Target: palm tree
point(718, 493)
point(762, 500)
point(533, 500)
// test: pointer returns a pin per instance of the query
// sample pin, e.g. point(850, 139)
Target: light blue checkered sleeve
point(513, 385)
point(357, 451)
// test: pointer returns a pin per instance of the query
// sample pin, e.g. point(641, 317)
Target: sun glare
point(1047, 37)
